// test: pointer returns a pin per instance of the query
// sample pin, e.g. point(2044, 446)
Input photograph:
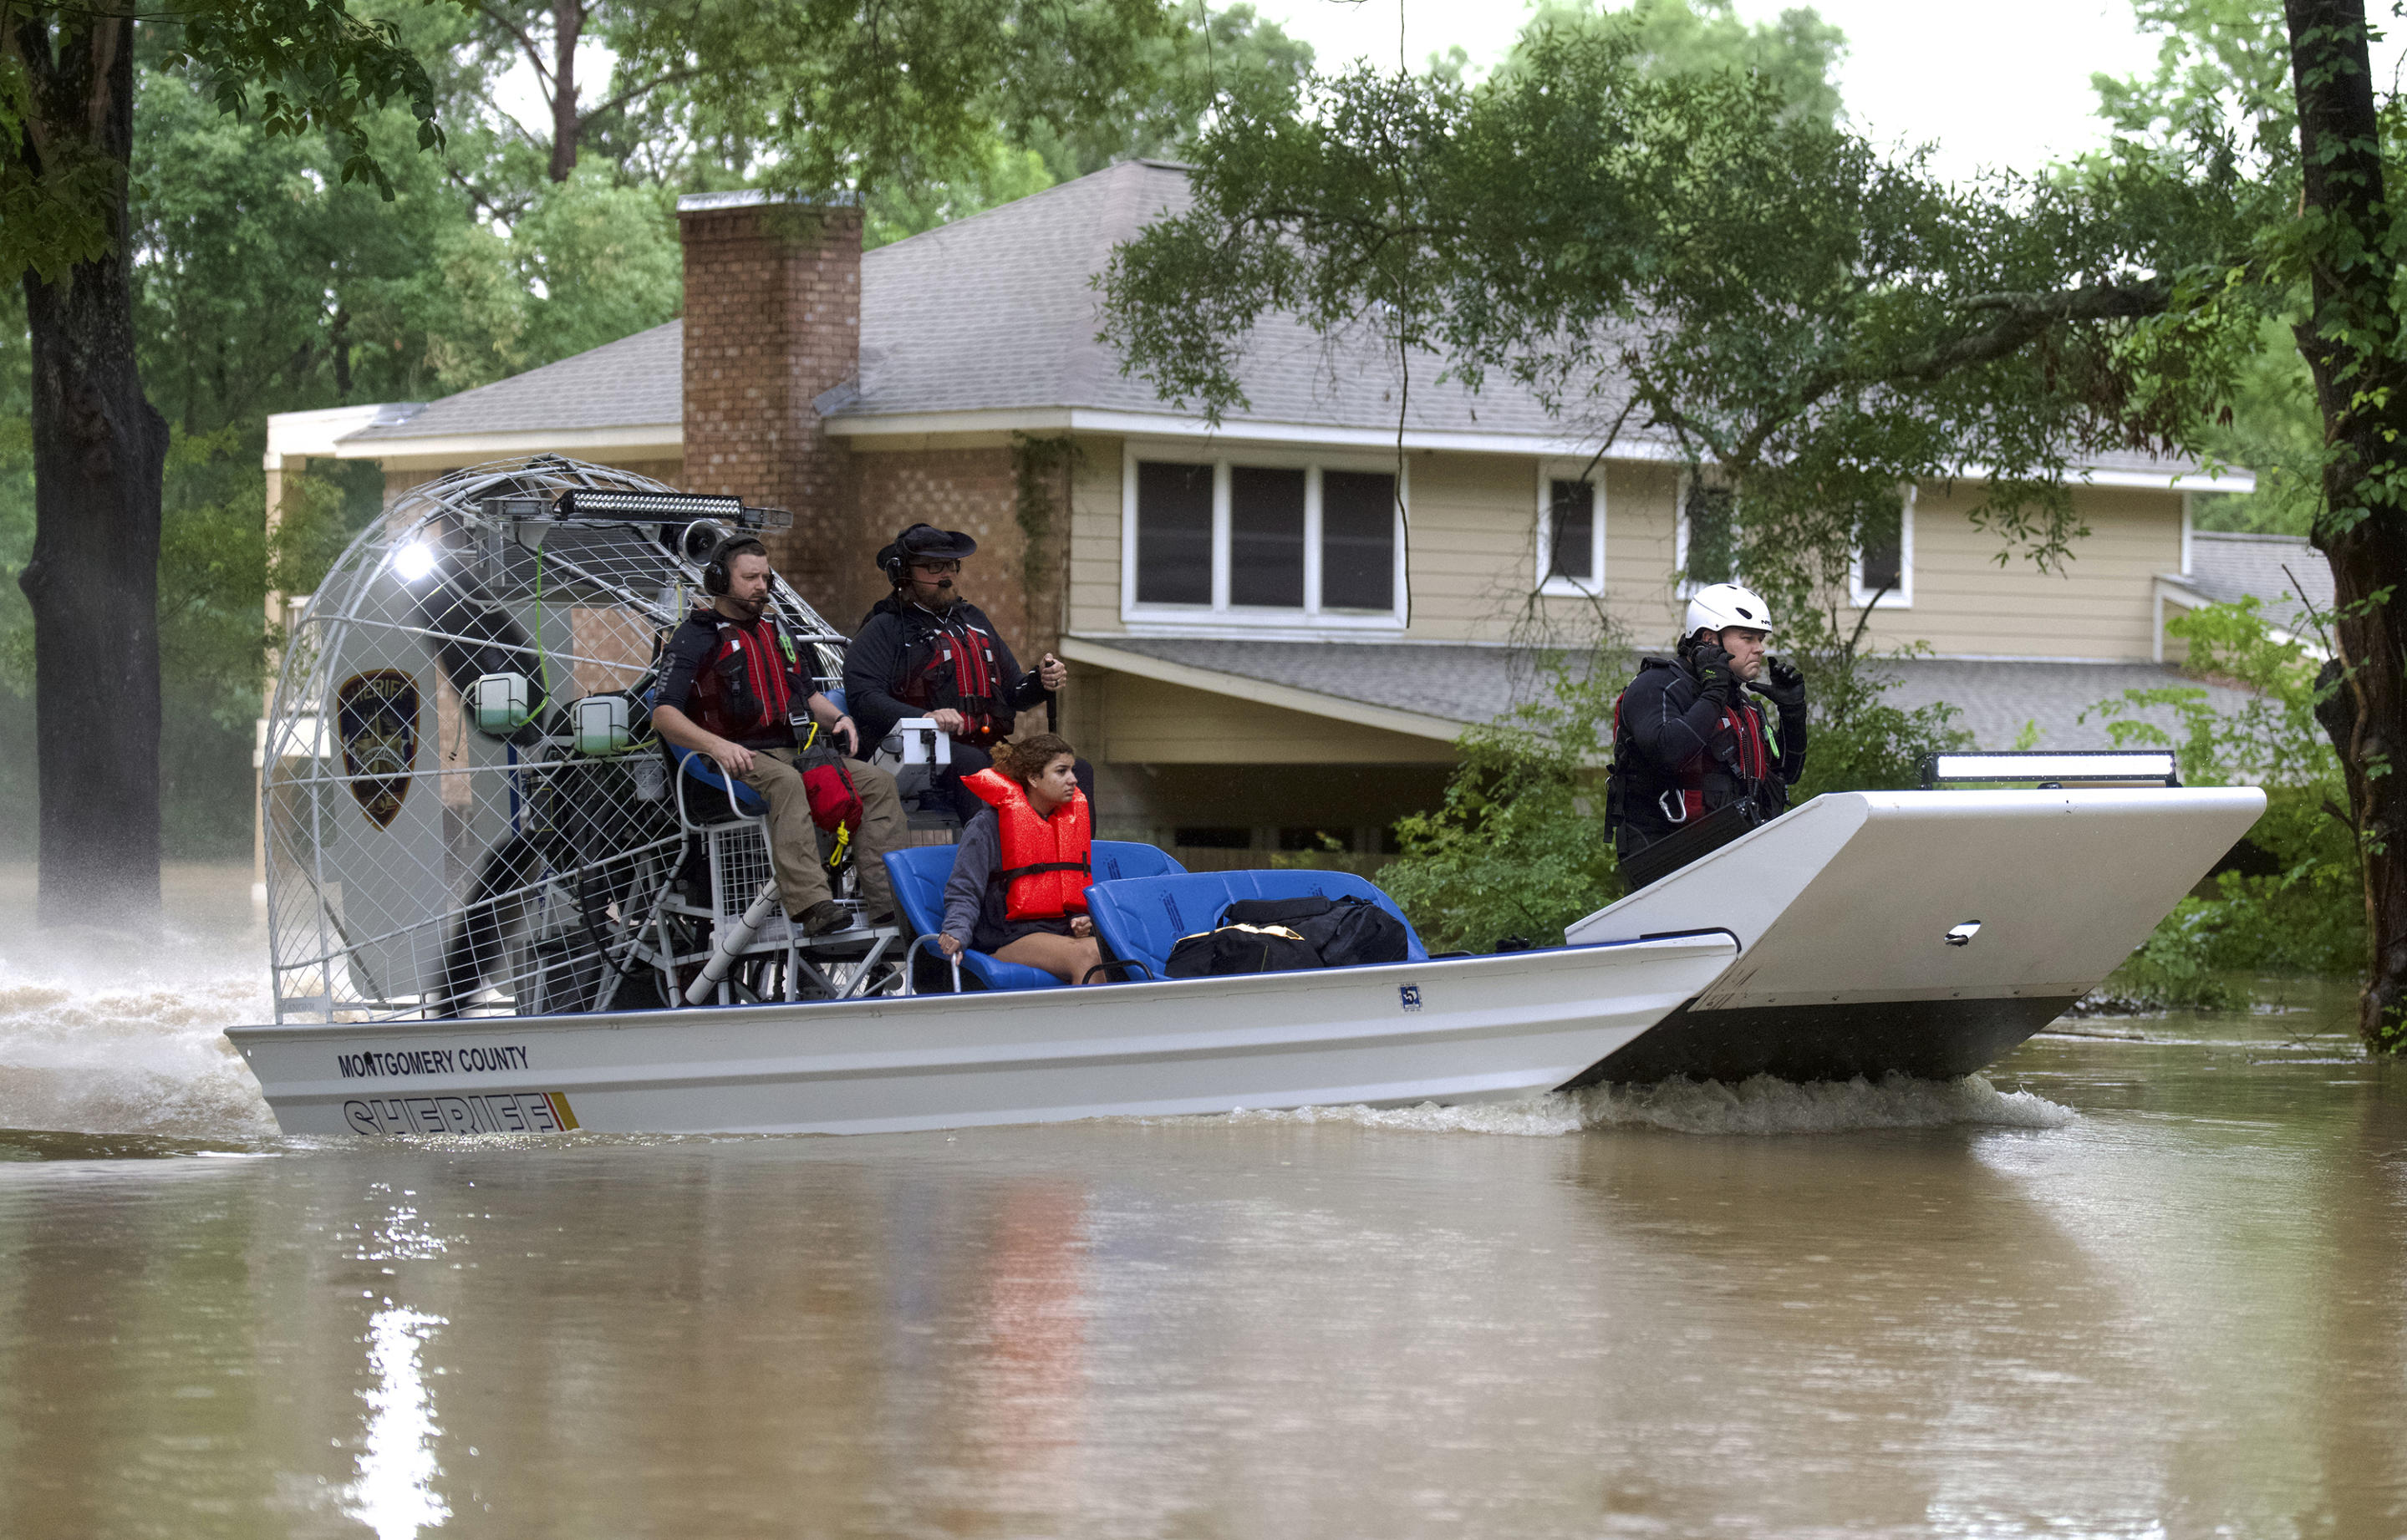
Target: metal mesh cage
point(465, 809)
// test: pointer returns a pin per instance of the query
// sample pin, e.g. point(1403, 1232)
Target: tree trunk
point(2350, 342)
point(99, 452)
point(567, 25)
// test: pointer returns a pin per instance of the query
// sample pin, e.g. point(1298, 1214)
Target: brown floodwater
point(2146, 1286)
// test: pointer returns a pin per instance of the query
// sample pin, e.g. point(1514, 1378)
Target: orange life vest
point(1046, 862)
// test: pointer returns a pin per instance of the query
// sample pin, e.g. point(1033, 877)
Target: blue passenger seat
point(1141, 918)
point(920, 872)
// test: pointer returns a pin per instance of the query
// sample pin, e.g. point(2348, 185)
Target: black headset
point(714, 572)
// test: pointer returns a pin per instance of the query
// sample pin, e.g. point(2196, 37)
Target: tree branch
point(601, 109)
point(526, 44)
point(2024, 317)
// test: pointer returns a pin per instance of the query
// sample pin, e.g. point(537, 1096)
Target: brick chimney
point(773, 321)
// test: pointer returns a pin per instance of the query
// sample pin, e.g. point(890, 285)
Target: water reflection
point(2177, 1310)
point(394, 1491)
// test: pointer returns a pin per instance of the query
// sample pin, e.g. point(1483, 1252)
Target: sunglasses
point(937, 568)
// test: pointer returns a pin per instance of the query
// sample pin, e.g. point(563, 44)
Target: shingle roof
point(1465, 684)
point(2228, 567)
point(1473, 684)
point(635, 381)
point(1000, 312)
point(1997, 699)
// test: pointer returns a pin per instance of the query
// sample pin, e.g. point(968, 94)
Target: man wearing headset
point(926, 651)
point(731, 684)
point(1688, 742)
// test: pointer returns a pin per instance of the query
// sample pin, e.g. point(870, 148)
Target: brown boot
point(824, 918)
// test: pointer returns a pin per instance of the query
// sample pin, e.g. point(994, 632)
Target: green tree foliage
point(2302, 908)
point(1794, 54)
point(2223, 79)
point(294, 67)
point(264, 283)
point(813, 97)
point(1518, 847)
point(1688, 258)
point(99, 448)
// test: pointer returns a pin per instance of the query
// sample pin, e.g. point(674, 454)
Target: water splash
point(128, 1038)
point(1760, 1106)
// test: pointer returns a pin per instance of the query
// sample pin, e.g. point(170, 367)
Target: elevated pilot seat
point(728, 822)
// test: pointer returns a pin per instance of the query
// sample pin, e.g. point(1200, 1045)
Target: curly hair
point(1024, 759)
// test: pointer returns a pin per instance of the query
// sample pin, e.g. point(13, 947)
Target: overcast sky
point(1991, 82)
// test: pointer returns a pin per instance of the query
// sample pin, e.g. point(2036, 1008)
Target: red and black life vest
point(1047, 861)
point(751, 680)
point(1678, 796)
point(949, 663)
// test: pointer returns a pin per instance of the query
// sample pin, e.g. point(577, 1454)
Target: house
point(1277, 628)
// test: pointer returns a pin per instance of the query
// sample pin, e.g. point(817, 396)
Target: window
point(1708, 535)
point(1571, 534)
point(1266, 542)
point(1267, 536)
point(1883, 571)
point(1357, 540)
point(1174, 536)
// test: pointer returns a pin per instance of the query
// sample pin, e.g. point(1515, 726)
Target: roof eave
point(866, 428)
point(1261, 691)
point(423, 451)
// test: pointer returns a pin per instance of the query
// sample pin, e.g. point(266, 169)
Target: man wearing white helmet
point(1688, 744)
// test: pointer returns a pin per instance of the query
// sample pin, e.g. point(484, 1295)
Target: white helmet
point(1721, 605)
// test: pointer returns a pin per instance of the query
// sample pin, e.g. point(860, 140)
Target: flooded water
point(2120, 1286)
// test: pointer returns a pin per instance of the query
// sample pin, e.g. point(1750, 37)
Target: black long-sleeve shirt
point(875, 663)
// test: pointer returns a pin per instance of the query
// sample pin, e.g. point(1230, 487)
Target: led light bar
point(2054, 769)
point(647, 506)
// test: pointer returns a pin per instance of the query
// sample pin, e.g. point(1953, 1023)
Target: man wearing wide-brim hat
point(923, 650)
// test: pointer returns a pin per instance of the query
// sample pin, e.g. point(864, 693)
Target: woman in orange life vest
point(1018, 885)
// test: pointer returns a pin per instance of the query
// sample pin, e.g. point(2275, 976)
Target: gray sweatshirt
point(973, 901)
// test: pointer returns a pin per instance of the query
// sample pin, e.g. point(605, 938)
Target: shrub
point(2302, 910)
point(1517, 848)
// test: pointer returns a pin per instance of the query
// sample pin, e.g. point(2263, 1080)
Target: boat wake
point(1760, 1106)
point(129, 1041)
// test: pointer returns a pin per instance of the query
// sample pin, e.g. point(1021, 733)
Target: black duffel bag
point(1240, 948)
point(1345, 933)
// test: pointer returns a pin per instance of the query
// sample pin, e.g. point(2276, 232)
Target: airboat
point(495, 905)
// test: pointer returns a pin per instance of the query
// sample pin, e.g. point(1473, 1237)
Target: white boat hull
point(1843, 908)
point(1453, 1031)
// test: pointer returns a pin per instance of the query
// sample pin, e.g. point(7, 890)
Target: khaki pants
point(796, 846)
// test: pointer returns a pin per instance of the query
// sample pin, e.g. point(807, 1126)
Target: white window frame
point(1687, 586)
point(1548, 582)
point(1221, 617)
point(1902, 596)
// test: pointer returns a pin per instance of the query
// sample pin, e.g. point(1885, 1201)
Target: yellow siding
point(1095, 537)
point(1475, 521)
point(1474, 542)
point(1145, 721)
point(1641, 554)
point(2102, 604)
